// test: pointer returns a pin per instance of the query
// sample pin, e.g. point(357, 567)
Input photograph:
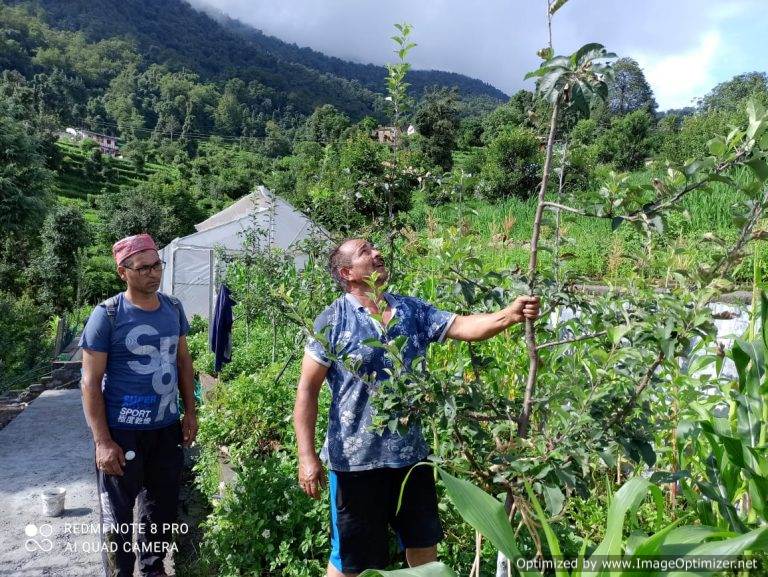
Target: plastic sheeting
point(192, 269)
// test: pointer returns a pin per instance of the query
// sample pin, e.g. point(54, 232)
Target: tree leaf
point(554, 499)
point(617, 333)
point(556, 5)
point(589, 51)
point(759, 167)
point(716, 146)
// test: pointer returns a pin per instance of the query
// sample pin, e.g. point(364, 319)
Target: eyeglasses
point(150, 268)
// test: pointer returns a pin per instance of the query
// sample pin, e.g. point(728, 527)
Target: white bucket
point(53, 501)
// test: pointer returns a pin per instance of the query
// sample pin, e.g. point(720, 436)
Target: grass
point(502, 232)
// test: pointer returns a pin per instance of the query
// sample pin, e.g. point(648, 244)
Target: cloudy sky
point(684, 46)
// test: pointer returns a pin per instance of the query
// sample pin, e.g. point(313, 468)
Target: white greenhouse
point(192, 267)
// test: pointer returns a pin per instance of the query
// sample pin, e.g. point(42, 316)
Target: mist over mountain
point(216, 47)
point(372, 76)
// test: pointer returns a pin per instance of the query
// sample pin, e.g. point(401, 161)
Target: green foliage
point(397, 86)
point(437, 121)
point(137, 151)
point(265, 524)
point(628, 142)
point(487, 515)
point(54, 272)
point(344, 185)
point(732, 95)
point(466, 396)
point(726, 451)
point(97, 275)
point(629, 90)
point(450, 187)
point(162, 206)
point(513, 113)
point(511, 166)
point(575, 80)
point(584, 132)
point(690, 140)
point(470, 133)
point(219, 174)
point(24, 180)
point(325, 125)
point(22, 322)
point(250, 415)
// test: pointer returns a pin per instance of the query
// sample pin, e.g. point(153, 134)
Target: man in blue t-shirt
point(367, 469)
point(135, 364)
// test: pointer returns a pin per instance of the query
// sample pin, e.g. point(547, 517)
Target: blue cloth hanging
point(221, 333)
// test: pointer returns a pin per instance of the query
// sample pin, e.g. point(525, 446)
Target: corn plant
point(614, 556)
point(729, 452)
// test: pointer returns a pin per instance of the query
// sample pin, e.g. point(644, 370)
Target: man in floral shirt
point(366, 469)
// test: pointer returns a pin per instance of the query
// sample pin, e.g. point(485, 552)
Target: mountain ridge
point(371, 76)
point(182, 37)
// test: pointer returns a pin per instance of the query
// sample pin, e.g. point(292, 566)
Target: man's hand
point(188, 428)
point(525, 307)
point(110, 458)
point(311, 476)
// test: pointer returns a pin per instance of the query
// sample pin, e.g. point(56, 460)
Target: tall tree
point(65, 231)
point(511, 114)
point(24, 180)
point(629, 90)
point(325, 125)
point(437, 121)
point(732, 94)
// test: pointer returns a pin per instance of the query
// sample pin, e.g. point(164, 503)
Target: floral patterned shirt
point(350, 445)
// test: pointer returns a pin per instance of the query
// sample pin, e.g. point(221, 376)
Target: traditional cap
point(130, 245)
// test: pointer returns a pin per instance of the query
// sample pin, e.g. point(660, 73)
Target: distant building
point(107, 143)
point(386, 134)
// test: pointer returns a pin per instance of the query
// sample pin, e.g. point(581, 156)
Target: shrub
point(512, 165)
point(585, 132)
point(263, 523)
point(25, 338)
point(690, 141)
point(628, 141)
point(97, 277)
point(581, 172)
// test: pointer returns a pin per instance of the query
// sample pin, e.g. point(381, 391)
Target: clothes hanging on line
point(221, 333)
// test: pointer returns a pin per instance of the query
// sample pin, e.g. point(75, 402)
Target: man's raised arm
point(483, 326)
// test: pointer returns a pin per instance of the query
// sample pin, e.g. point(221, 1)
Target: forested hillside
point(370, 76)
point(174, 34)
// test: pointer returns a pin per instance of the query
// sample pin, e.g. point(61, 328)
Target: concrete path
point(49, 445)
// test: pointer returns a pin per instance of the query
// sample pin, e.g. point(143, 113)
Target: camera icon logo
point(38, 538)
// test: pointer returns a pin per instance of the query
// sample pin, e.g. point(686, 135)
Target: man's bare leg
point(421, 555)
point(331, 571)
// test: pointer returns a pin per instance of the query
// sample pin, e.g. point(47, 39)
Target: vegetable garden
point(606, 430)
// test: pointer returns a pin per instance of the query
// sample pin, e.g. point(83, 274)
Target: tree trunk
point(530, 333)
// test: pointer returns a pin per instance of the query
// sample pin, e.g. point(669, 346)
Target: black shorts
point(363, 506)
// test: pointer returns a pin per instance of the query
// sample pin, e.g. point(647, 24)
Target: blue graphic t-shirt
point(350, 445)
point(141, 380)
